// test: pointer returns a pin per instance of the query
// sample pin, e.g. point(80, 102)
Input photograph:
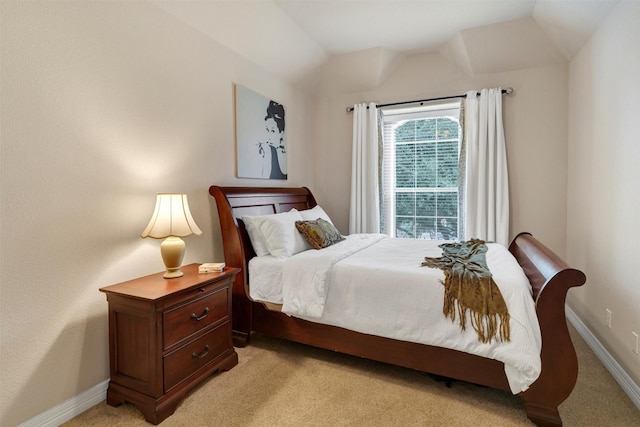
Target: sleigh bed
point(550, 279)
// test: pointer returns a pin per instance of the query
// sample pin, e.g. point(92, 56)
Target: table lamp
point(170, 221)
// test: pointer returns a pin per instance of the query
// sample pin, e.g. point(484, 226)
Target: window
point(420, 172)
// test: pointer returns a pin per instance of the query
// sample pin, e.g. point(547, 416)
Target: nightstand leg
point(114, 399)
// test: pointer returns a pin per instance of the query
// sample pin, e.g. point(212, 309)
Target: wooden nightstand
point(167, 335)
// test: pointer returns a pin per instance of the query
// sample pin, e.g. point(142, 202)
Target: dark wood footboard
point(550, 279)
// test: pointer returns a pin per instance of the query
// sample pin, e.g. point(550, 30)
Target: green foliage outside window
point(426, 154)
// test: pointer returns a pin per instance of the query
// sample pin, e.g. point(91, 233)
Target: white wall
point(104, 104)
point(535, 120)
point(604, 182)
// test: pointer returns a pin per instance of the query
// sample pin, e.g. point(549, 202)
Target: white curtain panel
point(364, 214)
point(487, 187)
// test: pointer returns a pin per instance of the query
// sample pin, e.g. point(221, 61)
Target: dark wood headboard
point(235, 202)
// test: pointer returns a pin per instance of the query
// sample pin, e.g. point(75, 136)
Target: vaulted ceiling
point(298, 38)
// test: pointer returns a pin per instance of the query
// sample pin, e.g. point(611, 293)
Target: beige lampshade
point(171, 217)
point(171, 220)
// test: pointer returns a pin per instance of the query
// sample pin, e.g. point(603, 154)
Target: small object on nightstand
point(210, 267)
point(166, 336)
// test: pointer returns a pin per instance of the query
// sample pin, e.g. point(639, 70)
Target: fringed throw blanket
point(469, 285)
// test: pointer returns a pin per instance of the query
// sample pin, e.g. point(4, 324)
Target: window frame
point(391, 119)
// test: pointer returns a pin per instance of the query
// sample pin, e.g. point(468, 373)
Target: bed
point(550, 279)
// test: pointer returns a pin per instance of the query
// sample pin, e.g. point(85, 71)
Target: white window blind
point(421, 147)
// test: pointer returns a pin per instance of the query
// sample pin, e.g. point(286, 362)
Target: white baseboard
point(617, 372)
point(70, 408)
point(96, 394)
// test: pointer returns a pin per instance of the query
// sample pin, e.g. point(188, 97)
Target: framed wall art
point(261, 143)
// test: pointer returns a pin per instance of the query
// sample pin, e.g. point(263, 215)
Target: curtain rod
point(350, 109)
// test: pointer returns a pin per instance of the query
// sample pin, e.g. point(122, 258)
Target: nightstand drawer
point(185, 320)
point(180, 364)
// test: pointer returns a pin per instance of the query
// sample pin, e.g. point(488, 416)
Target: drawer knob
point(199, 318)
point(201, 355)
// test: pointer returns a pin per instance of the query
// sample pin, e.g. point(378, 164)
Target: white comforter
point(376, 285)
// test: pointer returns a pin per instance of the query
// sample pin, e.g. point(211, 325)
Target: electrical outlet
point(635, 347)
point(607, 319)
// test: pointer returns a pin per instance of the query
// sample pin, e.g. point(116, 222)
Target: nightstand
point(166, 336)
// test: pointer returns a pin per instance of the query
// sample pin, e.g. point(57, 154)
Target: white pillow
point(259, 246)
point(315, 213)
point(278, 233)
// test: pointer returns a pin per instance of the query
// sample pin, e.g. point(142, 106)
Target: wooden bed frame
point(550, 279)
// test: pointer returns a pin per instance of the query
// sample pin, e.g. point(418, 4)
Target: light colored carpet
point(278, 383)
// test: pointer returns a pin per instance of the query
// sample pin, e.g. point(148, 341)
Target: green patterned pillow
point(319, 233)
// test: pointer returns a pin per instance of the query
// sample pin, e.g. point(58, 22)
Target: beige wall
point(604, 182)
point(535, 120)
point(104, 104)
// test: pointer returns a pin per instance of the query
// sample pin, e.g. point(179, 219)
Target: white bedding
point(265, 279)
point(376, 285)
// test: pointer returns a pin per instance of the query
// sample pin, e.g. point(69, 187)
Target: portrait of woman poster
point(260, 136)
